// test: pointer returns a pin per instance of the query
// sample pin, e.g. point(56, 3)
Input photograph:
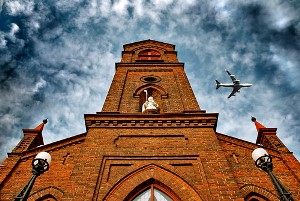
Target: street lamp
point(40, 164)
point(264, 161)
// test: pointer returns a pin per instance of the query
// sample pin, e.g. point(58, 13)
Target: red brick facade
point(175, 149)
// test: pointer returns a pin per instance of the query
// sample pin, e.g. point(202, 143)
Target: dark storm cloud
point(57, 60)
point(257, 19)
point(43, 64)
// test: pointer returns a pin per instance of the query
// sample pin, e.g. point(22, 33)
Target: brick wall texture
point(176, 149)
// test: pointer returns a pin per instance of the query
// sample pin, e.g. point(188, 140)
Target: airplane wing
point(234, 90)
point(234, 80)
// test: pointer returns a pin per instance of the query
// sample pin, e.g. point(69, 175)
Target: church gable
point(149, 50)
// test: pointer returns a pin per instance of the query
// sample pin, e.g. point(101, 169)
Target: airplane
point(236, 84)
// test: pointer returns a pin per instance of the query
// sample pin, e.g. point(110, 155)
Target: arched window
point(149, 55)
point(255, 197)
point(47, 198)
point(255, 193)
point(152, 193)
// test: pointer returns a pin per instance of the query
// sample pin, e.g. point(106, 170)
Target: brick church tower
point(151, 141)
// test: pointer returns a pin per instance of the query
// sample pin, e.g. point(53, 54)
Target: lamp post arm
point(285, 195)
point(23, 195)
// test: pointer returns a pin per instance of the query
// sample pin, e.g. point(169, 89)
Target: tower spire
point(257, 124)
point(267, 137)
point(32, 138)
point(40, 127)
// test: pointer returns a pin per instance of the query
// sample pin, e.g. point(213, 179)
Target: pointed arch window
point(151, 55)
point(152, 193)
point(47, 198)
point(255, 197)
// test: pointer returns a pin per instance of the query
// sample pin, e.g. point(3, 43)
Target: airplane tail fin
point(217, 84)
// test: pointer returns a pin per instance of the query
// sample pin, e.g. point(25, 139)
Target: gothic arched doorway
point(152, 190)
point(152, 176)
point(152, 194)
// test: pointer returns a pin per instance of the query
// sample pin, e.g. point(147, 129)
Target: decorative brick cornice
point(150, 70)
point(153, 66)
point(150, 123)
point(143, 121)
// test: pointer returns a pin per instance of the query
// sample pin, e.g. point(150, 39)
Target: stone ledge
point(151, 123)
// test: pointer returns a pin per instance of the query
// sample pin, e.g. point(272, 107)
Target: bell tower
point(150, 69)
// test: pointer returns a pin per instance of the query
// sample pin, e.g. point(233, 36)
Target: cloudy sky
point(57, 60)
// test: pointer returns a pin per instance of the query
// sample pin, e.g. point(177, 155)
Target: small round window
point(150, 79)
